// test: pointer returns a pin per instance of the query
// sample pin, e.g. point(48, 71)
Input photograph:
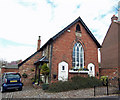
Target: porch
point(41, 76)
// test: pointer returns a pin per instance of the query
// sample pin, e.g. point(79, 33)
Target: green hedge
point(75, 83)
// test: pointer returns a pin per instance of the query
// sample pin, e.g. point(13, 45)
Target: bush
point(24, 75)
point(60, 86)
point(75, 83)
point(45, 69)
point(45, 86)
point(36, 81)
point(88, 82)
point(104, 80)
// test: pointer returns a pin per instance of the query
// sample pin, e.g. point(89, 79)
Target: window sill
point(72, 71)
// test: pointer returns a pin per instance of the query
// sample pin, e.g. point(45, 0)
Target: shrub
point(36, 81)
point(75, 83)
point(45, 86)
point(88, 82)
point(45, 69)
point(104, 80)
point(32, 69)
point(24, 75)
point(60, 86)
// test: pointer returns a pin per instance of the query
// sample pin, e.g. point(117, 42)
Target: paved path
point(30, 92)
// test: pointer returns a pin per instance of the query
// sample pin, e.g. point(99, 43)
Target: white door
point(63, 71)
point(91, 68)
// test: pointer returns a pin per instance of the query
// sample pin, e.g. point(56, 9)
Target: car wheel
point(20, 89)
point(2, 90)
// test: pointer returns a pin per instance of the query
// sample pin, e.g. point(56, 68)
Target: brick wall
point(109, 54)
point(62, 51)
point(27, 68)
point(119, 48)
point(3, 70)
point(80, 74)
point(109, 50)
point(110, 72)
point(63, 48)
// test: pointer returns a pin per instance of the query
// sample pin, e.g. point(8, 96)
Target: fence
point(111, 87)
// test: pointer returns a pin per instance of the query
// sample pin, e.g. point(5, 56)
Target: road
point(112, 97)
point(30, 92)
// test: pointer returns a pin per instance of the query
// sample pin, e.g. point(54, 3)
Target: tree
point(45, 70)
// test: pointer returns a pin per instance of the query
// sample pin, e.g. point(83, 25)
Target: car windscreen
point(11, 75)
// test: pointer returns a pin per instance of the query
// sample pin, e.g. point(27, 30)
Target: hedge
point(75, 83)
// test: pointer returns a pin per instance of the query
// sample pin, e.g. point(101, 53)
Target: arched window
point(78, 28)
point(78, 56)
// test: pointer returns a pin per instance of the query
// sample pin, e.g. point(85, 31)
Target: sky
point(22, 21)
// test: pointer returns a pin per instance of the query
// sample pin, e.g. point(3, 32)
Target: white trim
point(72, 71)
point(68, 30)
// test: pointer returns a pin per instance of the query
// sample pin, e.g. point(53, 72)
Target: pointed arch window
point(78, 28)
point(78, 56)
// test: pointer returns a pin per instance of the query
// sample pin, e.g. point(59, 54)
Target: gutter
point(50, 66)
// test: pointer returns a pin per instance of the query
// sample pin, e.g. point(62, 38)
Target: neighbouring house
point(73, 51)
point(10, 67)
point(110, 51)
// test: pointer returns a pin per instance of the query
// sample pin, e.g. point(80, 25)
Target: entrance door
point(91, 68)
point(63, 71)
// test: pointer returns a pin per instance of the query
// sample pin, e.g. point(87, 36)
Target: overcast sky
point(22, 21)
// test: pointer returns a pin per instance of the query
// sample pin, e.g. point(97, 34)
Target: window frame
point(78, 29)
point(78, 56)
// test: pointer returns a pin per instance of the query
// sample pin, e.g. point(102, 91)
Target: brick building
point(110, 51)
point(73, 51)
point(9, 67)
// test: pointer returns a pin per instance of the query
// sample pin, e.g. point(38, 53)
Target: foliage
point(33, 80)
point(81, 69)
point(75, 83)
point(32, 69)
point(72, 68)
point(44, 69)
point(104, 80)
point(88, 82)
point(60, 86)
point(45, 86)
point(24, 75)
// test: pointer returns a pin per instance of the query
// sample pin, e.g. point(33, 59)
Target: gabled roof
point(11, 66)
point(61, 32)
point(112, 24)
point(66, 28)
point(28, 58)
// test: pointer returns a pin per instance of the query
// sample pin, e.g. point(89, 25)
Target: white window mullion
point(75, 56)
point(79, 56)
point(83, 57)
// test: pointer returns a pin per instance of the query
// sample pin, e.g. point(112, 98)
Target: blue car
point(11, 80)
